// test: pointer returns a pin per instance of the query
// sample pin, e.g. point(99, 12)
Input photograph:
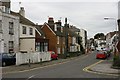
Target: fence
point(23, 58)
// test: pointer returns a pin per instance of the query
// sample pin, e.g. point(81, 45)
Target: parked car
point(101, 55)
point(7, 59)
point(53, 55)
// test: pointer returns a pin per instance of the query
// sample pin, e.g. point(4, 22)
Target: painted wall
point(82, 34)
point(27, 45)
point(27, 41)
point(27, 35)
point(6, 18)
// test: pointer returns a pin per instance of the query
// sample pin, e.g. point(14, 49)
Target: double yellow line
point(88, 69)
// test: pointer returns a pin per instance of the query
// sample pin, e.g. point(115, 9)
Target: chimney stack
point(22, 11)
point(50, 20)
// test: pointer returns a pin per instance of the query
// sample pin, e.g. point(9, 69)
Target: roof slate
point(23, 20)
point(38, 27)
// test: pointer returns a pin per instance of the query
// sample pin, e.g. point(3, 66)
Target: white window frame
point(11, 45)
point(31, 31)
point(58, 50)
point(58, 39)
point(11, 28)
point(24, 28)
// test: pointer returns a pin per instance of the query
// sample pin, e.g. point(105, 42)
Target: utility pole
point(119, 29)
point(119, 34)
point(66, 38)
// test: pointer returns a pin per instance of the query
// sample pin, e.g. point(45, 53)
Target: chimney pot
point(22, 11)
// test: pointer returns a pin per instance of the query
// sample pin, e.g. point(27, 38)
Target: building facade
point(26, 32)
point(41, 43)
point(53, 32)
point(83, 34)
point(9, 29)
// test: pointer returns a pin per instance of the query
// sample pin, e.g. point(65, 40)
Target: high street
point(70, 69)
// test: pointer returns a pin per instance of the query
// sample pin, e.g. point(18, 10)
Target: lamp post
point(116, 58)
point(118, 21)
point(109, 18)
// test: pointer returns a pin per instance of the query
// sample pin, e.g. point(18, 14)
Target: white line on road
point(30, 77)
point(57, 64)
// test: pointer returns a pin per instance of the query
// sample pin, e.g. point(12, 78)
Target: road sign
point(118, 46)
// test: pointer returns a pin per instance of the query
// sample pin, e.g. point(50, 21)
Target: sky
point(84, 14)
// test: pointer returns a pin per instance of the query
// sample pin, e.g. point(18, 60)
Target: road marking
point(30, 77)
point(46, 65)
point(87, 69)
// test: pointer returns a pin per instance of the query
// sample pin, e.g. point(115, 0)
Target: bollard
point(29, 63)
point(41, 61)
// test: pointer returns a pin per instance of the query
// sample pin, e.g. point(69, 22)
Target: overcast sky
point(81, 13)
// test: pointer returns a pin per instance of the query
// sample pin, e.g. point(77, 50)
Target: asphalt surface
point(70, 69)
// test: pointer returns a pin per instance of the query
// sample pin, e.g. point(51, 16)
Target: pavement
point(27, 67)
point(104, 66)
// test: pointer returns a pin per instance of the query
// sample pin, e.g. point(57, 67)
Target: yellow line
point(35, 68)
point(47, 65)
point(87, 69)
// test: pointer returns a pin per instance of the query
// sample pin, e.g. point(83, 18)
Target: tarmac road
point(69, 69)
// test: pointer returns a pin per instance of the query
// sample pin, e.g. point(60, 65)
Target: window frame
point(31, 31)
point(11, 46)
point(58, 40)
point(11, 28)
point(24, 30)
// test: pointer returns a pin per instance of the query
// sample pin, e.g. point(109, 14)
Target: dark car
point(101, 55)
point(7, 59)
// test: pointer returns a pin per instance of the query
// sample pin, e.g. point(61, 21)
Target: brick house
point(54, 32)
point(73, 45)
point(41, 43)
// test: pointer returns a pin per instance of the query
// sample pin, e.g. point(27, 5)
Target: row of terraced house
point(19, 34)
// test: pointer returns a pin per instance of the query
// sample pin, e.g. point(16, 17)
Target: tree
point(99, 35)
point(81, 46)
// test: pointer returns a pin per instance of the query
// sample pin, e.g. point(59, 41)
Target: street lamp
point(115, 61)
point(109, 18)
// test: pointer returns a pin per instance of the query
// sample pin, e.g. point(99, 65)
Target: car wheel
point(57, 58)
point(4, 64)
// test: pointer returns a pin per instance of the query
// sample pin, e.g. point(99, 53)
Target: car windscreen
point(100, 53)
point(53, 52)
point(6, 55)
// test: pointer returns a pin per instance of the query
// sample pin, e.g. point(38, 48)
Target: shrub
point(116, 61)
